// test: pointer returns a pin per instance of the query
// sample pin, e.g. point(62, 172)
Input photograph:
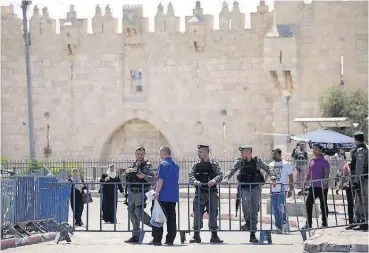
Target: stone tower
point(133, 19)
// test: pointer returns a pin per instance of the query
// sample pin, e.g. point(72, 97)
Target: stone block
point(297, 209)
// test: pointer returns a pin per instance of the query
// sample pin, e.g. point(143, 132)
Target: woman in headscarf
point(109, 191)
point(76, 199)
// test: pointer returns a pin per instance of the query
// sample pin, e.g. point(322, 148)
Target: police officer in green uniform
point(138, 173)
point(250, 172)
point(360, 181)
point(204, 175)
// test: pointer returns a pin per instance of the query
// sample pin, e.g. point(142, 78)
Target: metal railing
point(92, 169)
point(299, 213)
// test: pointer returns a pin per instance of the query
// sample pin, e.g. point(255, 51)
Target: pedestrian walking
point(318, 173)
point(284, 188)
point(76, 196)
point(110, 194)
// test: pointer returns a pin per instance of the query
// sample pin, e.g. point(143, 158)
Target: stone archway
point(113, 123)
point(135, 132)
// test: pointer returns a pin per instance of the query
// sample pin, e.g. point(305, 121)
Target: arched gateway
point(123, 132)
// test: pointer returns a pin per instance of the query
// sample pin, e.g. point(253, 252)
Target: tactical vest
point(132, 176)
point(365, 171)
point(249, 173)
point(204, 172)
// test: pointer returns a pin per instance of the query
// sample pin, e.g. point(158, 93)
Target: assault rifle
point(237, 200)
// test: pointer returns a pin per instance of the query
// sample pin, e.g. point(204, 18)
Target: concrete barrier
point(296, 209)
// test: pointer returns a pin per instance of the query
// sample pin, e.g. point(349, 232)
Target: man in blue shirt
point(167, 193)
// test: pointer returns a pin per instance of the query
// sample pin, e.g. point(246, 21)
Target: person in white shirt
point(284, 177)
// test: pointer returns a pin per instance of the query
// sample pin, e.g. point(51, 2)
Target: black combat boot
point(214, 238)
point(253, 238)
point(245, 227)
point(362, 227)
point(196, 238)
point(133, 239)
point(350, 227)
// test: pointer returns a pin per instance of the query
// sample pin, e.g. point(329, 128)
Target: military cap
point(140, 148)
point(358, 133)
point(245, 147)
point(359, 136)
point(202, 146)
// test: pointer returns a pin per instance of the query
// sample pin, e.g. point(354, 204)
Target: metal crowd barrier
point(92, 169)
point(294, 208)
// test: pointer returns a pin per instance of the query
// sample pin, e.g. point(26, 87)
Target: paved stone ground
point(337, 240)
point(234, 241)
point(89, 242)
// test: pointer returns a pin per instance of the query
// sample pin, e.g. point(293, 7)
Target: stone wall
point(204, 86)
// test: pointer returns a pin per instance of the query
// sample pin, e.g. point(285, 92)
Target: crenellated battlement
point(132, 6)
point(94, 85)
point(136, 23)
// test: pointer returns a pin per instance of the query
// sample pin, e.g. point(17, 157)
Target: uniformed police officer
point(204, 175)
point(138, 173)
point(250, 172)
point(360, 184)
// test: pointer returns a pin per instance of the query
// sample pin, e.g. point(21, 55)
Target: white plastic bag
point(150, 195)
point(158, 214)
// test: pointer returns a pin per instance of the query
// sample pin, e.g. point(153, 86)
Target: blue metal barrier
point(31, 198)
point(8, 198)
point(25, 199)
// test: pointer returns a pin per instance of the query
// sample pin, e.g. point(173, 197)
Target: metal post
point(288, 114)
point(32, 152)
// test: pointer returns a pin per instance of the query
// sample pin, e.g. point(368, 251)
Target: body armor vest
point(365, 170)
point(249, 173)
point(204, 173)
point(132, 176)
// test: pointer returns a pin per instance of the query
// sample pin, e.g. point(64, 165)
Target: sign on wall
point(136, 76)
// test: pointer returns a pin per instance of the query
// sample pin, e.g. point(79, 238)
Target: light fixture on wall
point(224, 136)
point(287, 96)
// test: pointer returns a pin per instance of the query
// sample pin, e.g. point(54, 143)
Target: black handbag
point(86, 197)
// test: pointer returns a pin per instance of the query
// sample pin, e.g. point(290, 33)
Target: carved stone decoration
point(236, 5)
point(170, 11)
point(72, 129)
point(108, 12)
point(160, 8)
point(45, 13)
point(198, 128)
point(98, 11)
point(36, 13)
point(71, 15)
point(225, 5)
point(11, 9)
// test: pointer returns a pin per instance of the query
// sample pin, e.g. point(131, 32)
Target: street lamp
point(32, 152)
point(287, 96)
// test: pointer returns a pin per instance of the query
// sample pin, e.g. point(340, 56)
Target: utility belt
point(247, 186)
point(138, 189)
point(205, 189)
